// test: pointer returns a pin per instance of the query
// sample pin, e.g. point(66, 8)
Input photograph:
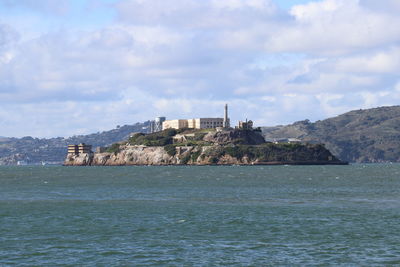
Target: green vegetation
point(271, 152)
point(165, 138)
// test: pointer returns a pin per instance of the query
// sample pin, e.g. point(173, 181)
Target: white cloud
point(335, 27)
point(385, 61)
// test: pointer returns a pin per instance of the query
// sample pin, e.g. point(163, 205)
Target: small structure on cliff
point(245, 125)
point(79, 149)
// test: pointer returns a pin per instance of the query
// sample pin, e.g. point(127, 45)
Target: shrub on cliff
point(114, 148)
point(170, 149)
point(199, 136)
point(213, 160)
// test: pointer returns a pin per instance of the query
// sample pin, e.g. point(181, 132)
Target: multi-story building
point(200, 123)
point(78, 149)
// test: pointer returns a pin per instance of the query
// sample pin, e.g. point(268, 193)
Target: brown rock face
point(82, 159)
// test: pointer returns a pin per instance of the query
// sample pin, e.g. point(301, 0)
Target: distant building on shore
point(78, 149)
point(283, 140)
point(199, 123)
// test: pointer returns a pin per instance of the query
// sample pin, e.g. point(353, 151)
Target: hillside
point(371, 135)
point(36, 150)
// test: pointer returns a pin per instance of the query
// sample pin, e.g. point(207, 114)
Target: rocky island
point(203, 147)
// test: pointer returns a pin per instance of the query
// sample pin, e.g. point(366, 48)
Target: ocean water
point(200, 216)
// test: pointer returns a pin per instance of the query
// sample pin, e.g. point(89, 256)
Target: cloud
point(188, 58)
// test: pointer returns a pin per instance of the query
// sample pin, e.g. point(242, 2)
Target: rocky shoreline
point(210, 155)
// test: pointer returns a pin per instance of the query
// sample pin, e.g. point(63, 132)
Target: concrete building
point(286, 140)
point(200, 123)
point(78, 149)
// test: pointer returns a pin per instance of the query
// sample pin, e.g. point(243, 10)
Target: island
point(216, 146)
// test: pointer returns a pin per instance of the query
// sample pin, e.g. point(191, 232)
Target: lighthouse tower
point(226, 123)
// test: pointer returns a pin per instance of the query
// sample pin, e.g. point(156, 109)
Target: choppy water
point(200, 216)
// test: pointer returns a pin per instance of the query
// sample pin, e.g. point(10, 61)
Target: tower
point(226, 123)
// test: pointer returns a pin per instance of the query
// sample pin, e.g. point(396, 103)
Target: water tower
point(158, 124)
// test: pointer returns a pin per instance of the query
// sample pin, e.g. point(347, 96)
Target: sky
point(70, 67)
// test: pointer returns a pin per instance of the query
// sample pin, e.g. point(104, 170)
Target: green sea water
point(200, 216)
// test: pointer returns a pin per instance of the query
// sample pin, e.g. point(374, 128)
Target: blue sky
point(77, 67)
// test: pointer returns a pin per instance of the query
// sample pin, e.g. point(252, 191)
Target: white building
point(200, 123)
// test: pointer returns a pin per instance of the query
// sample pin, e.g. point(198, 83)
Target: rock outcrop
point(82, 159)
point(244, 137)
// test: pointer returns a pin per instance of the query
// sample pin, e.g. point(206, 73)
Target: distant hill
point(36, 150)
point(371, 135)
